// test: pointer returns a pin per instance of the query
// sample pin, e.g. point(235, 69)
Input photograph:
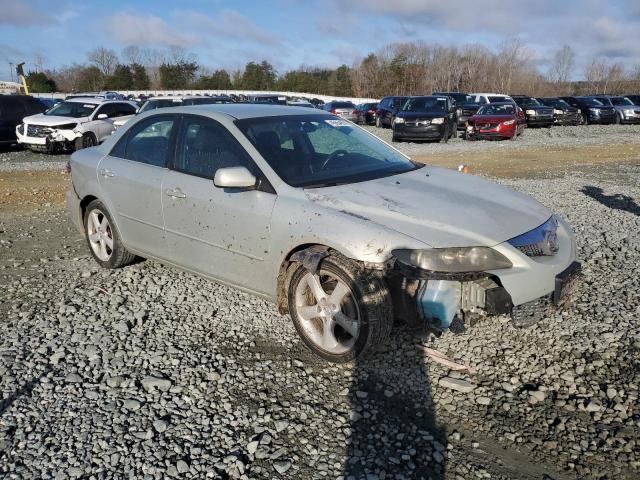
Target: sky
point(327, 33)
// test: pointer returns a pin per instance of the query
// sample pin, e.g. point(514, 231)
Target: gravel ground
point(532, 137)
point(147, 372)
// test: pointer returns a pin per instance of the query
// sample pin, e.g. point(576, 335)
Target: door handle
point(175, 193)
point(105, 172)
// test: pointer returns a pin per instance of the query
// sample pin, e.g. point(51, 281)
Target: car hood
point(415, 115)
point(491, 118)
point(438, 206)
point(52, 120)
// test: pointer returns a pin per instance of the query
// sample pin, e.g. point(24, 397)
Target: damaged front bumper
point(534, 287)
point(48, 138)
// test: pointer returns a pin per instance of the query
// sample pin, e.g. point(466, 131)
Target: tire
point(618, 119)
point(583, 119)
point(362, 295)
point(446, 137)
point(87, 140)
point(454, 133)
point(378, 122)
point(114, 256)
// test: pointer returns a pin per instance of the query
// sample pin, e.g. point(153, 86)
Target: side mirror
point(102, 116)
point(235, 177)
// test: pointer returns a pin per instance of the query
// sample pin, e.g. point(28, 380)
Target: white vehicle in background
point(73, 124)
point(173, 101)
point(484, 98)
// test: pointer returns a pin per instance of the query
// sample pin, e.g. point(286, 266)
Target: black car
point(13, 108)
point(366, 113)
point(426, 118)
point(387, 109)
point(563, 113)
point(465, 106)
point(537, 115)
point(634, 98)
point(592, 110)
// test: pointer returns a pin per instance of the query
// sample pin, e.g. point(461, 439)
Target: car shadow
point(617, 201)
point(24, 391)
point(393, 424)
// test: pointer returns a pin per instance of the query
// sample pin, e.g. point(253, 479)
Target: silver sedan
point(304, 208)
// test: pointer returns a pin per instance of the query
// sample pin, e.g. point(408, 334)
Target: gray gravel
point(532, 137)
point(148, 372)
point(18, 159)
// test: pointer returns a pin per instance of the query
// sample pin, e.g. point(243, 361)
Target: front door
point(131, 181)
point(219, 232)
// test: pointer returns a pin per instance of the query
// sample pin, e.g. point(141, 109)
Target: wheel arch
point(295, 254)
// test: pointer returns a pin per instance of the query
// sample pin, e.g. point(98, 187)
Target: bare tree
point(132, 54)
point(103, 58)
point(38, 61)
point(562, 65)
point(595, 75)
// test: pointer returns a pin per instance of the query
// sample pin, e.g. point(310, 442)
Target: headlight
point(398, 120)
point(454, 260)
point(66, 126)
point(530, 112)
point(628, 112)
point(437, 121)
point(509, 122)
point(594, 110)
point(558, 112)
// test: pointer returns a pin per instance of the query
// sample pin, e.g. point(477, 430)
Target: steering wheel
point(333, 156)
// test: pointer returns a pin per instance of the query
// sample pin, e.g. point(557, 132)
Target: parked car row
point(486, 115)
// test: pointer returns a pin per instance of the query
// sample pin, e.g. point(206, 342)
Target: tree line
point(409, 68)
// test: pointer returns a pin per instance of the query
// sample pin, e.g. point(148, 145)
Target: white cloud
point(229, 24)
point(13, 12)
point(137, 29)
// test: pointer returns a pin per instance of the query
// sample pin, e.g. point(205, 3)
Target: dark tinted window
point(147, 142)
point(206, 146)
point(123, 109)
point(12, 108)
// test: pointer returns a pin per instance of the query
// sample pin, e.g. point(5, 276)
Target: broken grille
point(37, 131)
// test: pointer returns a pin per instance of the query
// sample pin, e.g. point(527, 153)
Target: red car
point(496, 120)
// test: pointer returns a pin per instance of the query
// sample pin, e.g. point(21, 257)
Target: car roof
point(242, 111)
point(491, 94)
point(499, 103)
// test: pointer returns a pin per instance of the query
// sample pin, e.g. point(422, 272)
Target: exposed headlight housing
point(398, 120)
point(509, 122)
point(558, 112)
point(530, 112)
point(454, 260)
point(437, 121)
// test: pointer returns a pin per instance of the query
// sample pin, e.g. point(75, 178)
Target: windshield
point(557, 102)
point(425, 104)
point(496, 110)
point(153, 104)
point(621, 101)
point(458, 97)
point(321, 150)
point(527, 102)
point(493, 99)
point(72, 109)
point(591, 102)
point(341, 105)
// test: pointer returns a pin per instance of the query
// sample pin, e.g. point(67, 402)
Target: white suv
point(484, 98)
point(73, 124)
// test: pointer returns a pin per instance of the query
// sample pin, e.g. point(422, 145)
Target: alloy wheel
point(328, 312)
point(100, 234)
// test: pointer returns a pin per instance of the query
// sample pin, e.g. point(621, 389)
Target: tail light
point(371, 112)
point(354, 112)
point(333, 110)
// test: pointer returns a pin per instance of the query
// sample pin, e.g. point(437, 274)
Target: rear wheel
point(341, 312)
point(103, 238)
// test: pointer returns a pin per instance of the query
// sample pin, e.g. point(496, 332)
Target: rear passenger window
point(147, 142)
point(206, 146)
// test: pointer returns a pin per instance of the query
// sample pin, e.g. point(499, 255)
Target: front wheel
point(583, 119)
point(618, 119)
point(342, 312)
point(103, 238)
point(378, 122)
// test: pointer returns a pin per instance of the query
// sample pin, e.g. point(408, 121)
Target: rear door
point(131, 181)
point(12, 112)
point(219, 232)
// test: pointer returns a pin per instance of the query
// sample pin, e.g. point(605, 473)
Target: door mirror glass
point(102, 116)
point(234, 177)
